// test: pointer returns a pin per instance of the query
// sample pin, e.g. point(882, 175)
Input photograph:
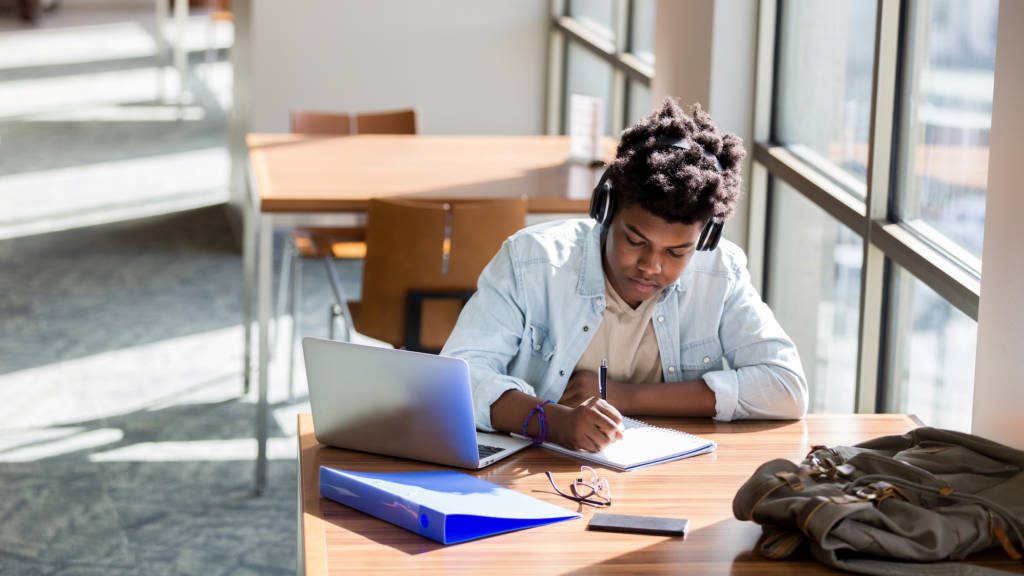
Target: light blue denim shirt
point(540, 299)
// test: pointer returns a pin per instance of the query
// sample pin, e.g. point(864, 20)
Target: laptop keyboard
point(486, 450)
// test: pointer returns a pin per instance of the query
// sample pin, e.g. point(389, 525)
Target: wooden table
point(336, 539)
point(303, 173)
point(299, 177)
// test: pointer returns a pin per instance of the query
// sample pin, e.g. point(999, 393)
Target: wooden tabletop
point(339, 539)
point(303, 173)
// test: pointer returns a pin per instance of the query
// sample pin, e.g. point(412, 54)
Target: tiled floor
point(126, 446)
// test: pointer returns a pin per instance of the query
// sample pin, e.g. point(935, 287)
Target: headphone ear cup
point(601, 200)
point(710, 235)
point(716, 235)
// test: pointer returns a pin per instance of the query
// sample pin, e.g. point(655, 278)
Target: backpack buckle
point(822, 462)
point(878, 492)
point(822, 466)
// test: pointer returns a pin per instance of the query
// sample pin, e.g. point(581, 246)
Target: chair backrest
point(428, 245)
point(339, 123)
point(390, 122)
point(311, 122)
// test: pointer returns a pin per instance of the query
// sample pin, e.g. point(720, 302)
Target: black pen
point(602, 379)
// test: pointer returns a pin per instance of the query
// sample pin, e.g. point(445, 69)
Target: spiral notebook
point(642, 445)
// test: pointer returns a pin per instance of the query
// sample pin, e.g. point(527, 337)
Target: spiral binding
point(630, 423)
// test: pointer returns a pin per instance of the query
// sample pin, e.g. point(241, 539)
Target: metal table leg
point(263, 272)
point(250, 228)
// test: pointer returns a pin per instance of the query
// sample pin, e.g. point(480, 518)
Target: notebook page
point(642, 444)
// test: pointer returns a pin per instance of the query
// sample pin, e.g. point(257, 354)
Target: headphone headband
point(685, 143)
point(603, 204)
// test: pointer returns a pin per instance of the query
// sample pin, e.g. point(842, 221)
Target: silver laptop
point(399, 403)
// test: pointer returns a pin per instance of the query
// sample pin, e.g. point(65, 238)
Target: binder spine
point(382, 504)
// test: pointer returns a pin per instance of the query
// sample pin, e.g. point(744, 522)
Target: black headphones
point(603, 204)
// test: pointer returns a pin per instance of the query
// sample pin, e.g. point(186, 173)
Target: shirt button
point(561, 372)
point(586, 328)
point(671, 369)
point(707, 360)
point(661, 318)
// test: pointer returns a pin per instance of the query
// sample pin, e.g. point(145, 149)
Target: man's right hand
point(590, 426)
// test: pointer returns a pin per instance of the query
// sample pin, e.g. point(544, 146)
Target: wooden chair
point(403, 121)
point(392, 122)
point(422, 262)
point(323, 123)
point(344, 243)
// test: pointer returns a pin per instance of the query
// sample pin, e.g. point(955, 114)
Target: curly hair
point(678, 185)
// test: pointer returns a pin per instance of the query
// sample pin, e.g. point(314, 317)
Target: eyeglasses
point(588, 488)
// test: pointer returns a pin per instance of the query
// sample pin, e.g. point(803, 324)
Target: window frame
point(939, 264)
point(626, 67)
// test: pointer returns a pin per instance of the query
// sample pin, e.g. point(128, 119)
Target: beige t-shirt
point(626, 338)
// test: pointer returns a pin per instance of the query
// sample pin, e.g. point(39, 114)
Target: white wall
point(998, 390)
point(682, 51)
point(705, 52)
point(469, 67)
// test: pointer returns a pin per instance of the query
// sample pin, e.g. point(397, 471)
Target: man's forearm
point(691, 398)
point(512, 407)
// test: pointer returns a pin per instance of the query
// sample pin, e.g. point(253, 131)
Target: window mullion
point(880, 171)
point(932, 266)
point(758, 181)
point(620, 27)
point(556, 81)
point(805, 177)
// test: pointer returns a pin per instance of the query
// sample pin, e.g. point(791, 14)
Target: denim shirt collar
point(591, 282)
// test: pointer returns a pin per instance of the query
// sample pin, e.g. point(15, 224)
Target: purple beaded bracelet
point(539, 411)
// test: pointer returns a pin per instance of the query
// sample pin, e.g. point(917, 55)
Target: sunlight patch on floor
point(105, 42)
point(64, 198)
point(198, 450)
point(117, 382)
point(32, 445)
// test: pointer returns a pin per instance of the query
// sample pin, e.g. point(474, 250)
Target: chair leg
point(332, 318)
point(340, 307)
point(285, 293)
point(296, 298)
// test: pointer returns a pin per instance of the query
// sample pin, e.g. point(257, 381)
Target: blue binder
point(443, 505)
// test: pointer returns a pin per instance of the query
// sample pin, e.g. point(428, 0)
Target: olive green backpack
point(892, 505)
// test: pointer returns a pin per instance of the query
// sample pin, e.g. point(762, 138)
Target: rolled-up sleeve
point(765, 378)
point(488, 334)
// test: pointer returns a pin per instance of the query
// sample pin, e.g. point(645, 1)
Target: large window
point(823, 109)
point(603, 49)
point(945, 119)
point(932, 361)
point(872, 153)
point(815, 292)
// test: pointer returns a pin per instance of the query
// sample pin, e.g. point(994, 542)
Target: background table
point(302, 176)
point(335, 538)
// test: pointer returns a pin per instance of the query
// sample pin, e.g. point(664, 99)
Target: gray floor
point(136, 325)
point(126, 446)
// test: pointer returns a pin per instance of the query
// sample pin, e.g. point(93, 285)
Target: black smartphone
point(638, 524)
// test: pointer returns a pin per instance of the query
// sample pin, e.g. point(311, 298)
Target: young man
point(646, 285)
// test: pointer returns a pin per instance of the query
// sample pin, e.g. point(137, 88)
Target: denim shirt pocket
point(540, 344)
point(700, 356)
